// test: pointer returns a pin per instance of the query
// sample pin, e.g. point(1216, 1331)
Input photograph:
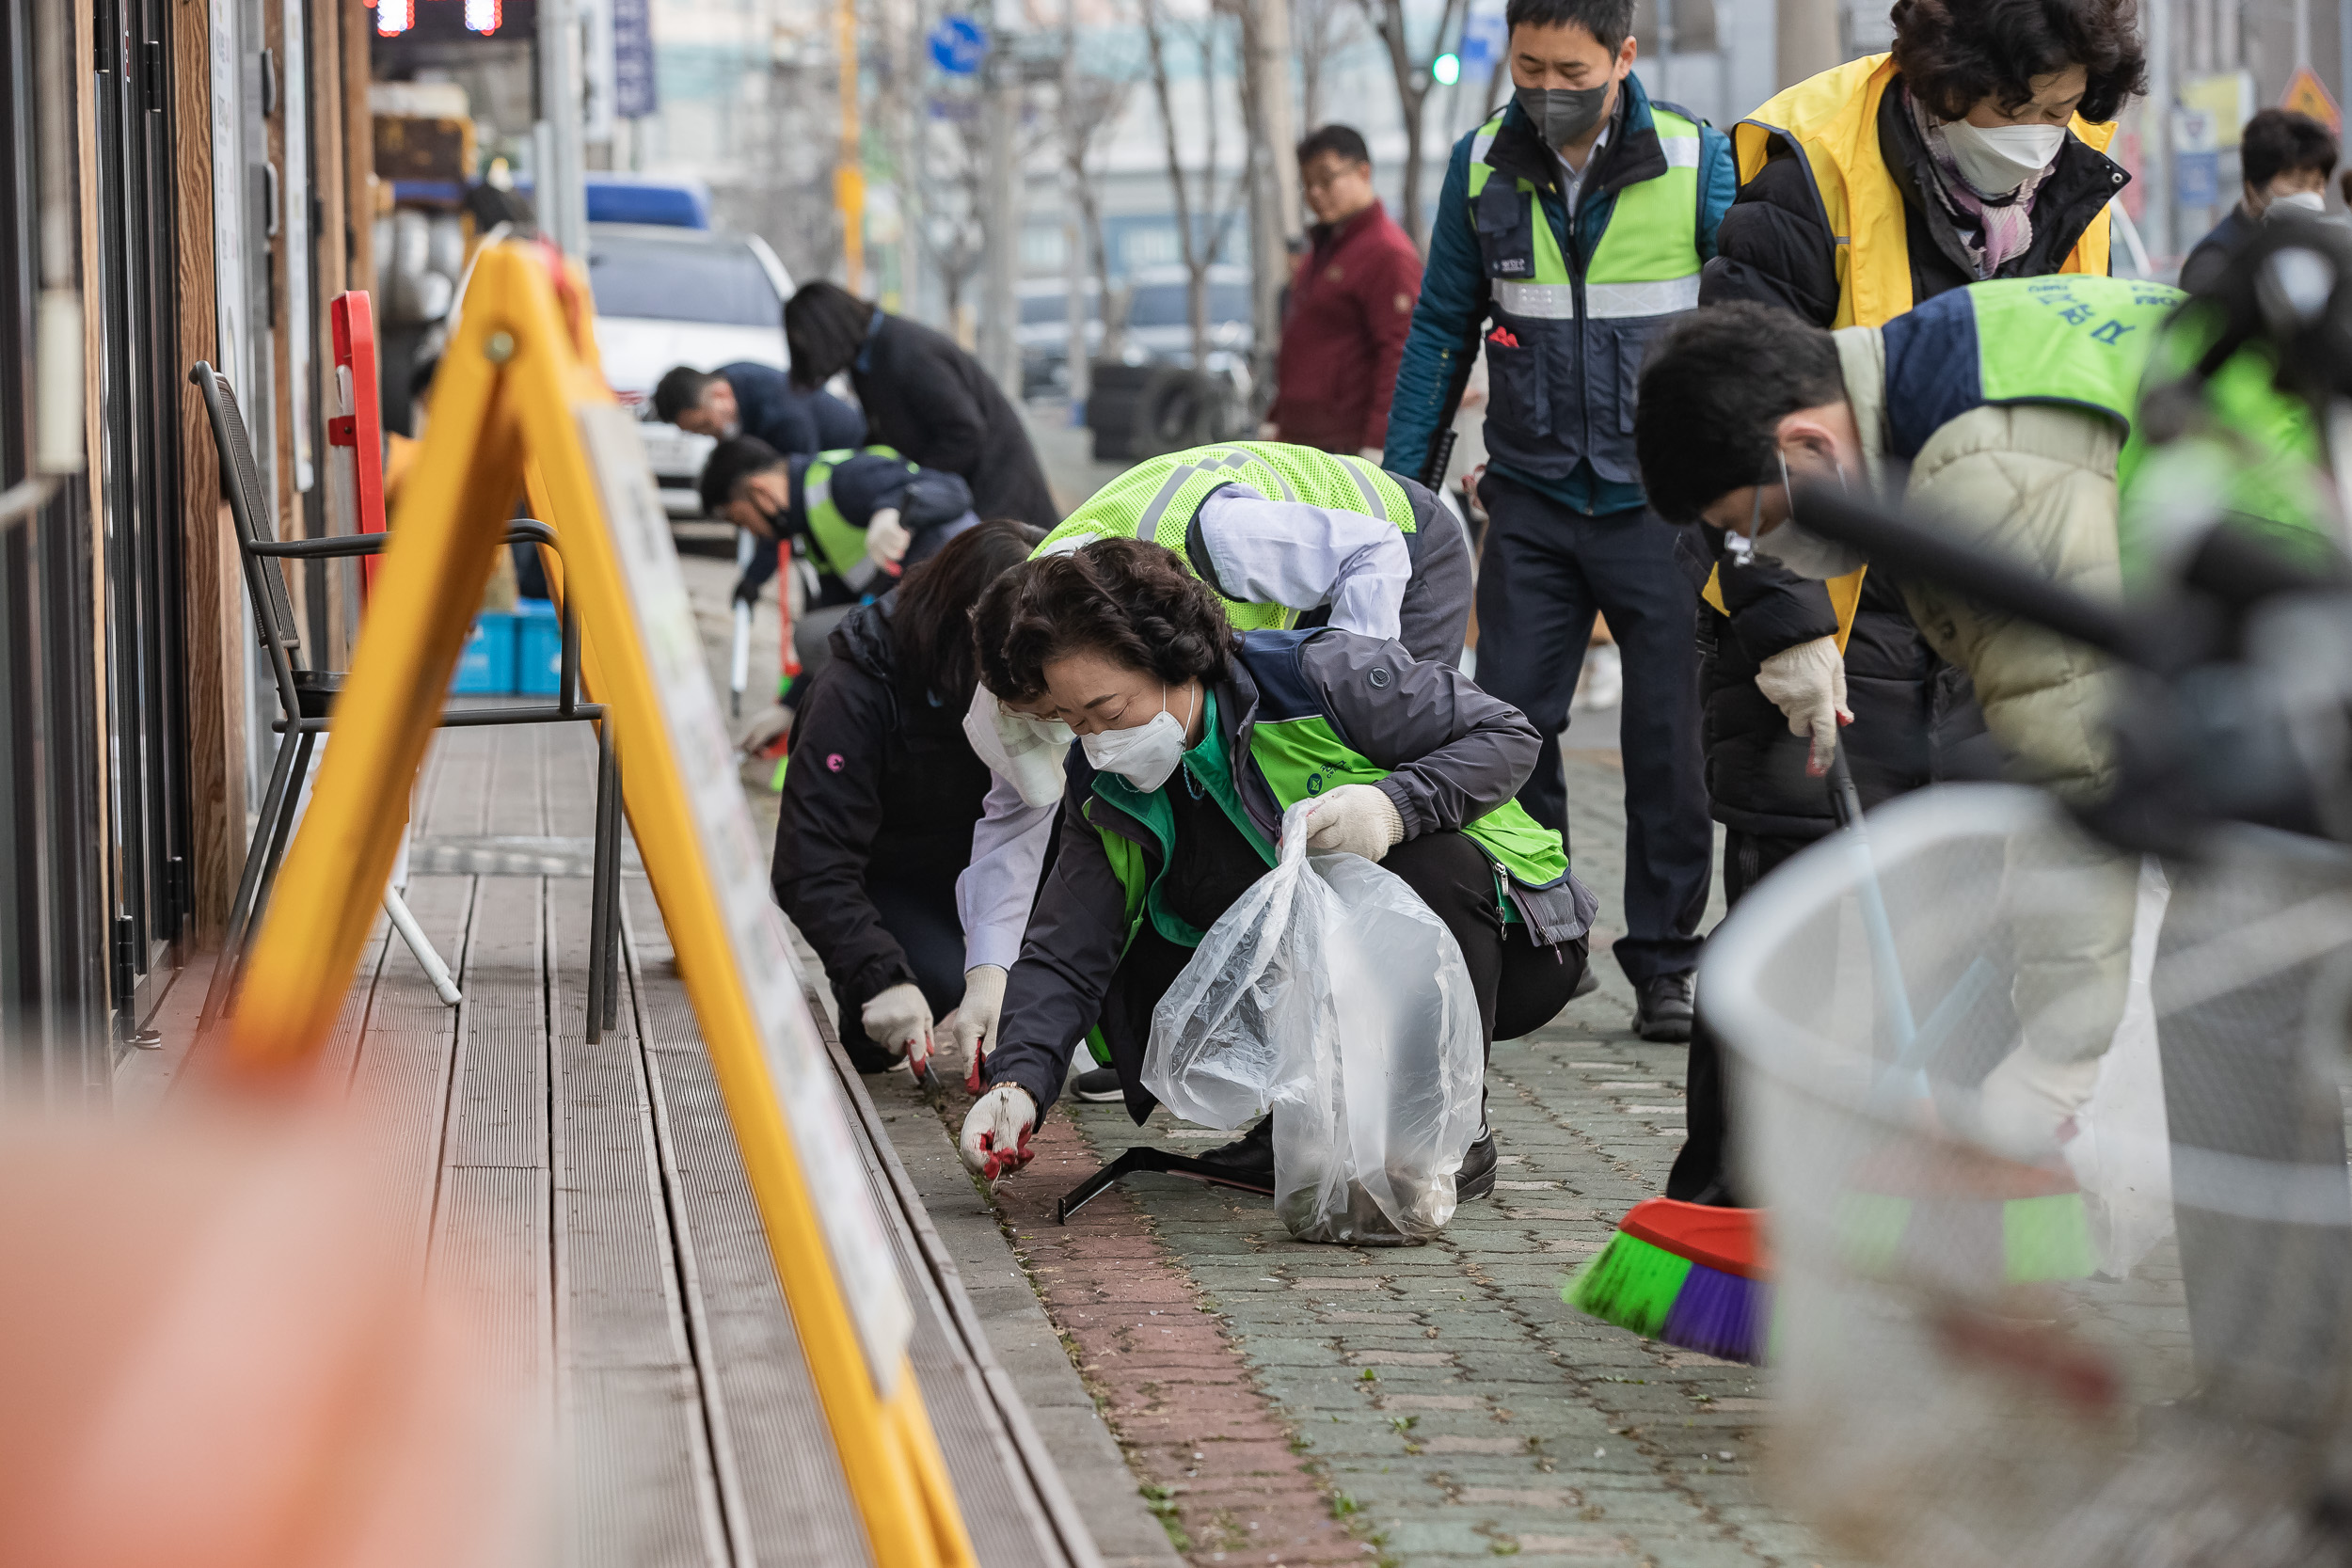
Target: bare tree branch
point(1411, 70)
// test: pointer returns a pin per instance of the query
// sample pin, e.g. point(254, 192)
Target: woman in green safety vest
point(1195, 741)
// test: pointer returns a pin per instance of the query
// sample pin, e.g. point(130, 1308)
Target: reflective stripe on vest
point(841, 542)
point(1833, 119)
point(1158, 499)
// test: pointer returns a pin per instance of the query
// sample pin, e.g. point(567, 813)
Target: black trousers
point(1520, 987)
point(1545, 573)
point(1700, 1174)
point(921, 916)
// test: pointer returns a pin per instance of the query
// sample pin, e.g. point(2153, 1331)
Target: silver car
point(681, 297)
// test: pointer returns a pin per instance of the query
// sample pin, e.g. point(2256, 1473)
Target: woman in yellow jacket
point(1975, 150)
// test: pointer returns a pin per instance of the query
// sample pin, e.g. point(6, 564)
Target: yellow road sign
point(518, 390)
point(2307, 94)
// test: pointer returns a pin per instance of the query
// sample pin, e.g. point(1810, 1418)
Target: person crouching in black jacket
point(880, 796)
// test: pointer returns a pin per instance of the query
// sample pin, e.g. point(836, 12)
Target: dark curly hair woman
point(1194, 743)
point(1975, 150)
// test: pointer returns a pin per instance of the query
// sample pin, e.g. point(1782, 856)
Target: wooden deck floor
point(590, 1202)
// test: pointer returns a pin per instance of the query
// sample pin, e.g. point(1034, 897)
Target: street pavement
point(1280, 1402)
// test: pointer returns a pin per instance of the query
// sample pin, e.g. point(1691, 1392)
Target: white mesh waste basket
point(1973, 1362)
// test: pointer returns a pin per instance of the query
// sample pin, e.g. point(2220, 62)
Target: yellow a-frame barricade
point(518, 388)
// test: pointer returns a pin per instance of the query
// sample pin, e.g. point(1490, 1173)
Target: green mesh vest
point(841, 542)
point(1156, 500)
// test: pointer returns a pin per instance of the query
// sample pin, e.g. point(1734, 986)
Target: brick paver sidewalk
point(1280, 1402)
point(1436, 1403)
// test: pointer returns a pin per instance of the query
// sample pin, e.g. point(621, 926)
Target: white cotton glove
point(995, 1139)
point(886, 538)
point(1809, 684)
point(900, 1020)
point(1354, 819)
point(972, 1024)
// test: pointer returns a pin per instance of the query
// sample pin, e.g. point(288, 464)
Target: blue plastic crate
point(486, 667)
point(539, 649)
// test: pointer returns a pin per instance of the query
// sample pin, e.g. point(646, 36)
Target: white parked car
point(681, 297)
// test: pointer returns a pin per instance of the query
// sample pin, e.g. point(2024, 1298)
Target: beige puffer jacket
point(2037, 484)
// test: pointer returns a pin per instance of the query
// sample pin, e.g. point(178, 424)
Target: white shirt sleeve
point(995, 892)
point(1305, 557)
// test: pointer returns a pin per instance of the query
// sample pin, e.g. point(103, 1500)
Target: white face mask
point(1800, 550)
point(1996, 159)
point(1146, 754)
point(2297, 202)
point(1026, 751)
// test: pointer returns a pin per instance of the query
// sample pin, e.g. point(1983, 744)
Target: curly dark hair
point(1132, 602)
point(1954, 54)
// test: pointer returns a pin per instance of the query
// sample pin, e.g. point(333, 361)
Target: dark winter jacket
point(1456, 294)
point(1455, 754)
point(927, 499)
point(786, 418)
point(2210, 257)
point(1775, 246)
point(1915, 715)
point(933, 402)
point(881, 787)
point(1913, 712)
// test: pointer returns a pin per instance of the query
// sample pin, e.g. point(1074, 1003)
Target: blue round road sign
point(957, 45)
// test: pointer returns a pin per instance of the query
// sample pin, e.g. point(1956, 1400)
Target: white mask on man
point(2307, 202)
point(1996, 159)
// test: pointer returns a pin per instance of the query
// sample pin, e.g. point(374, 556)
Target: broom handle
point(1894, 999)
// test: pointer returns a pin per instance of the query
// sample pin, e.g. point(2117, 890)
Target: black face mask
point(1562, 115)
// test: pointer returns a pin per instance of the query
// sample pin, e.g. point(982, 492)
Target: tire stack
point(1138, 411)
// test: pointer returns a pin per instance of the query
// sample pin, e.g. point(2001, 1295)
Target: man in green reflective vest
point(864, 514)
point(861, 516)
point(2008, 410)
point(1571, 227)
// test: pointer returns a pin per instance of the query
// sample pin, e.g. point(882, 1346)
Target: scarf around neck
point(1993, 227)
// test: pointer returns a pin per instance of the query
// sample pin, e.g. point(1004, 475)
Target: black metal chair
point(307, 697)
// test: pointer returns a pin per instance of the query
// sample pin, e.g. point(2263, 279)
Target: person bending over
point(1194, 741)
point(861, 518)
point(922, 395)
point(2001, 409)
point(881, 797)
point(749, 398)
point(1285, 535)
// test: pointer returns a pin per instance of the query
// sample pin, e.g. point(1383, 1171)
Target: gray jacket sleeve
point(1055, 993)
point(1454, 752)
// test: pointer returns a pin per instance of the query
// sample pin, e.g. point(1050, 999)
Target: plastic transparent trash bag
point(1330, 996)
point(1955, 1380)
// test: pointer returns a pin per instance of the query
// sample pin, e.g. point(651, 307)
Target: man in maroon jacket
point(1351, 303)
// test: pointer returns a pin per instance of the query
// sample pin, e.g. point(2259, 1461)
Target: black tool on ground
point(1143, 1157)
point(1439, 455)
